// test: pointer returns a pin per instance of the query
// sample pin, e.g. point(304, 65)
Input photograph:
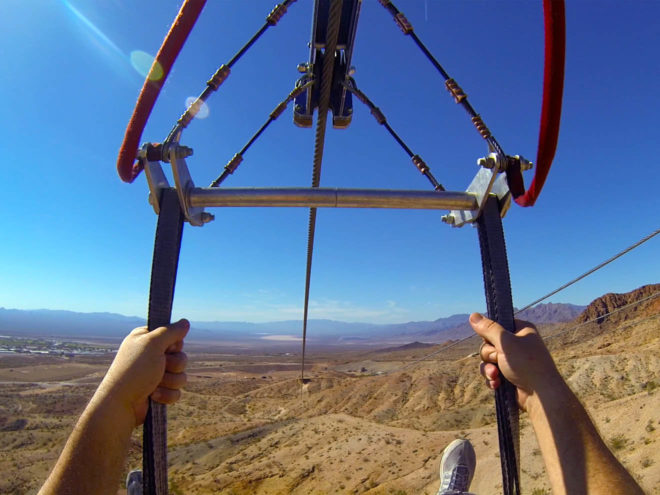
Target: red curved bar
point(553, 87)
point(169, 50)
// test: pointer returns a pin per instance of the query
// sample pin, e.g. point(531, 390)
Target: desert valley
point(370, 420)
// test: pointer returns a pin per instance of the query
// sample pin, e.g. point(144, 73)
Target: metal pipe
point(332, 198)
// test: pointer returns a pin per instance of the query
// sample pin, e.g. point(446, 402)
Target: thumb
point(170, 334)
point(489, 330)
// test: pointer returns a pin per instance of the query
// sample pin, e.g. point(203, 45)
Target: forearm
point(94, 456)
point(576, 458)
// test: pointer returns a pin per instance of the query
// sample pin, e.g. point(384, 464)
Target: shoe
point(457, 468)
point(134, 483)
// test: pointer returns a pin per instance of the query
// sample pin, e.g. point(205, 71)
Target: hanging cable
point(334, 20)
point(224, 70)
point(473, 335)
point(602, 317)
point(460, 97)
point(236, 160)
point(380, 118)
point(594, 269)
point(534, 303)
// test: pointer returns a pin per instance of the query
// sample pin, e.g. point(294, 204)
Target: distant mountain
point(58, 323)
point(608, 303)
point(407, 347)
point(551, 313)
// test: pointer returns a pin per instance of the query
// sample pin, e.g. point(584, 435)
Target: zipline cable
point(534, 303)
point(334, 20)
point(594, 269)
point(546, 338)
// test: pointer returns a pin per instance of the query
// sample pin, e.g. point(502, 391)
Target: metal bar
point(332, 198)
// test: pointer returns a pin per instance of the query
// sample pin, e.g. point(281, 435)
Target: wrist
point(553, 392)
point(108, 403)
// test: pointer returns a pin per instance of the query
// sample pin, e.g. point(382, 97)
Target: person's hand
point(148, 364)
point(522, 357)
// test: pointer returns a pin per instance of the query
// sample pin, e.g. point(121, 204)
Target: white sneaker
point(457, 468)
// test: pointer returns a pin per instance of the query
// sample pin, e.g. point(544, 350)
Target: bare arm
point(147, 364)
point(576, 458)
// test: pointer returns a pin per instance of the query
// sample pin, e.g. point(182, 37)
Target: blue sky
point(77, 238)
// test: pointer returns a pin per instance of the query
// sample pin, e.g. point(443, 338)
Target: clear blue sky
point(75, 237)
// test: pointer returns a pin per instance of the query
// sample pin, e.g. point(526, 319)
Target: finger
point(487, 329)
point(491, 374)
point(520, 324)
point(176, 347)
point(166, 395)
point(170, 334)
point(488, 353)
point(174, 381)
point(139, 331)
point(490, 371)
point(176, 362)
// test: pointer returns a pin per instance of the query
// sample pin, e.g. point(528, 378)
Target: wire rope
point(594, 269)
point(332, 33)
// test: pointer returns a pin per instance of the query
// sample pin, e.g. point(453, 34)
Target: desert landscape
point(369, 421)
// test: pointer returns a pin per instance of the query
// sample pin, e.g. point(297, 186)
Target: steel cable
point(332, 33)
point(594, 269)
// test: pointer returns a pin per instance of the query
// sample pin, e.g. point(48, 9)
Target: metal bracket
point(155, 178)
point(184, 184)
point(486, 182)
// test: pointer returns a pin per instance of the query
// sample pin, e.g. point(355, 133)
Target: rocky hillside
point(647, 296)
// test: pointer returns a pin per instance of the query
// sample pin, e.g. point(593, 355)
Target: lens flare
point(203, 110)
point(142, 62)
point(100, 35)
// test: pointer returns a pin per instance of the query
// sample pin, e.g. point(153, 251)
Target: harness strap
point(500, 309)
point(167, 246)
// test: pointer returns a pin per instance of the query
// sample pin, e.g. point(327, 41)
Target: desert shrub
point(618, 442)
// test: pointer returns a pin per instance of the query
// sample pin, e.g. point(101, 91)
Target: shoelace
point(456, 479)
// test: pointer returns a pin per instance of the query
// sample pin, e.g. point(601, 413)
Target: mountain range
point(112, 326)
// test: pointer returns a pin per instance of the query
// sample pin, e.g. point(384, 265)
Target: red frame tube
point(553, 87)
point(169, 50)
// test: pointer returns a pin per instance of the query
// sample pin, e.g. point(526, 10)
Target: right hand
point(522, 357)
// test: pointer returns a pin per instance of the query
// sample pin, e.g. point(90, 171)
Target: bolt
point(487, 162)
point(524, 163)
point(182, 151)
point(351, 70)
point(206, 217)
point(448, 219)
point(302, 68)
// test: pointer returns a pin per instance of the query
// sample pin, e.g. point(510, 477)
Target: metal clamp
point(183, 182)
point(486, 182)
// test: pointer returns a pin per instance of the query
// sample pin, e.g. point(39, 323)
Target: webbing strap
point(500, 309)
point(161, 293)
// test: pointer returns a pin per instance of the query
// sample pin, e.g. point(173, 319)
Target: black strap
point(161, 293)
point(500, 309)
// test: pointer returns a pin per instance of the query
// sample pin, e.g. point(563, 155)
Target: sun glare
point(203, 110)
point(92, 27)
point(142, 62)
